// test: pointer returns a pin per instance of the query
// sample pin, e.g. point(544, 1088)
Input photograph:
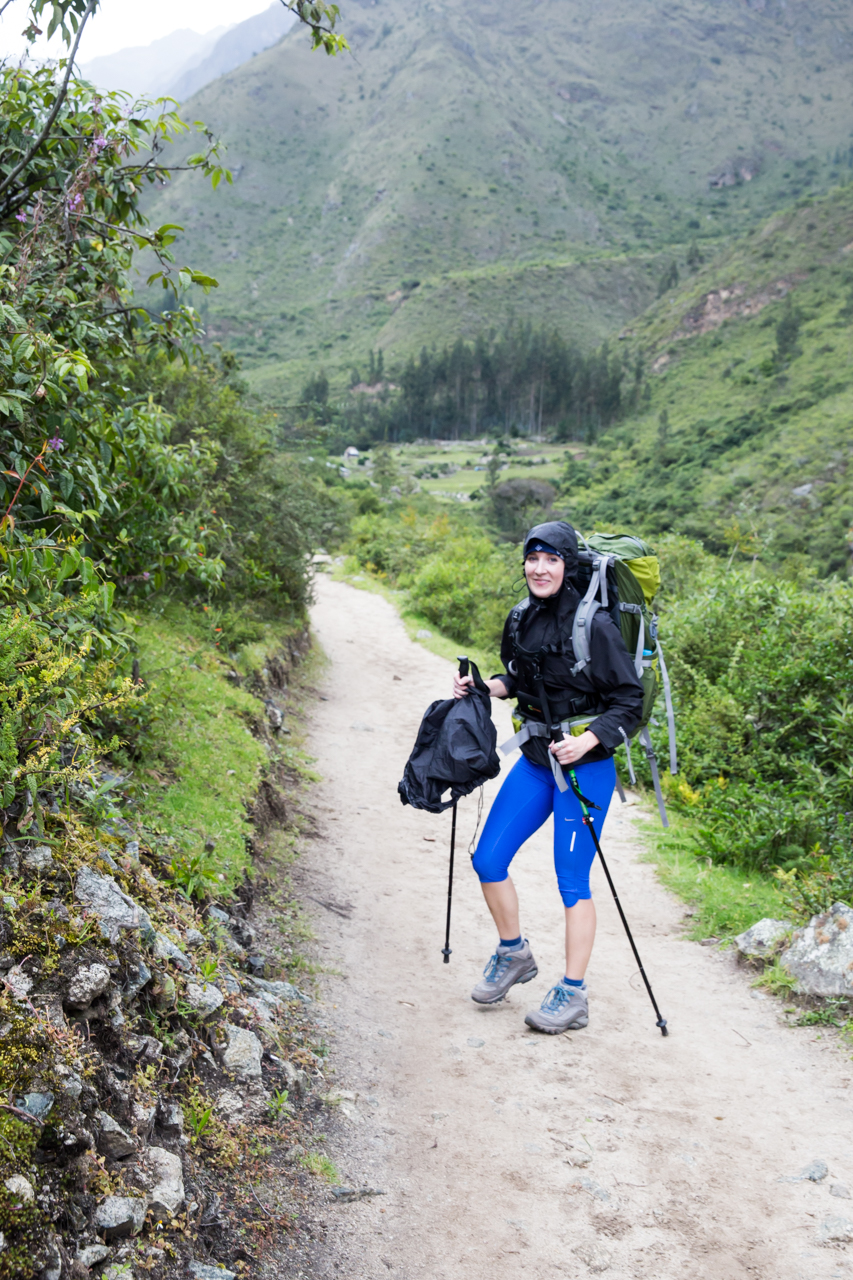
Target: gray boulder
point(144, 1114)
point(137, 976)
point(760, 939)
point(167, 1194)
point(820, 956)
point(170, 1117)
point(89, 982)
point(282, 990)
point(92, 1254)
point(103, 898)
point(20, 1187)
point(113, 1141)
point(165, 949)
point(298, 1080)
point(241, 1052)
point(37, 1105)
point(49, 1261)
point(203, 1271)
point(37, 860)
point(204, 999)
point(19, 983)
point(119, 1216)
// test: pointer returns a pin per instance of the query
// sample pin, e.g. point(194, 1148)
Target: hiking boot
point(507, 966)
point(563, 1009)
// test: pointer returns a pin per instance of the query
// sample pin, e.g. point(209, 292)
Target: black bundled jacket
point(607, 687)
point(455, 749)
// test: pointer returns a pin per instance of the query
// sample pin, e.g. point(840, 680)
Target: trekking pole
point(587, 820)
point(445, 951)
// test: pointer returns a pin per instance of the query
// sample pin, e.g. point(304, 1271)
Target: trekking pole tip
point(447, 953)
point(661, 1022)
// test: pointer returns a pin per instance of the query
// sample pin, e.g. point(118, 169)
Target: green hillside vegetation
point(745, 439)
point(467, 165)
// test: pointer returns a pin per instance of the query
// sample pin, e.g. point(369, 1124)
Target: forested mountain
point(468, 163)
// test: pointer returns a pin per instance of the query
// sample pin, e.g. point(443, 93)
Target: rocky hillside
point(153, 1061)
point(463, 164)
point(744, 439)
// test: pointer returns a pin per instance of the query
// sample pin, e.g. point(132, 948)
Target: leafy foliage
point(105, 494)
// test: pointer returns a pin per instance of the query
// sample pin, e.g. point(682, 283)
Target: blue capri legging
point(526, 799)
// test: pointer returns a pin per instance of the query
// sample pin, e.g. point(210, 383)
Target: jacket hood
point(562, 537)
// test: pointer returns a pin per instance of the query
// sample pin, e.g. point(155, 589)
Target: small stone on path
point(835, 1231)
point(814, 1172)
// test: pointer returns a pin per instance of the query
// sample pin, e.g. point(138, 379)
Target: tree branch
point(60, 98)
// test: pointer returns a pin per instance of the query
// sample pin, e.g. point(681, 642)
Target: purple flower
point(99, 143)
point(146, 576)
point(55, 444)
point(21, 216)
point(74, 203)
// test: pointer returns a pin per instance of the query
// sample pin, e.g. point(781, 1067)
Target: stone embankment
point(146, 1046)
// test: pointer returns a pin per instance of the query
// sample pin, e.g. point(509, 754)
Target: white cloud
point(120, 24)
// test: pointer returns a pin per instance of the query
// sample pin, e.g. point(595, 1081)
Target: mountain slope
point(150, 70)
point(241, 42)
point(752, 366)
point(458, 151)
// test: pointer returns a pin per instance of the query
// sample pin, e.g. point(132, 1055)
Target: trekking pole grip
point(462, 659)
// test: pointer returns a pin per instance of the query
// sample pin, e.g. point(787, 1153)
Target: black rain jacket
point(607, 686)
point(455, 748)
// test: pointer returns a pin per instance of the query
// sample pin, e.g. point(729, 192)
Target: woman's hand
point(571, 750)
point(461, 685)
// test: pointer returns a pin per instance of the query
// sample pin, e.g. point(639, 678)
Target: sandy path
point(504, 1152)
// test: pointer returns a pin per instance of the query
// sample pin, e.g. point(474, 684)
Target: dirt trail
point(504, 1152)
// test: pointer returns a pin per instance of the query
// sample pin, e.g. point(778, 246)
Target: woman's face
point(544, 573)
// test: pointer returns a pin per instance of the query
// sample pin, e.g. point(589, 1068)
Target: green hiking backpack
point(621, 573)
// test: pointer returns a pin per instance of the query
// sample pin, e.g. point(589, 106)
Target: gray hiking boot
point(507, 966)
point(563, 1009)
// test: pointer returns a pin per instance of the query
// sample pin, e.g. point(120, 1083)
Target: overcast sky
point(119, 24)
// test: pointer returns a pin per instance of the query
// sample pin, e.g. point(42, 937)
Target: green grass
point(451, 471)
point(202, 765)
point(776, 979)
point(321, 1166)
point(725, 900)
point(462, 166)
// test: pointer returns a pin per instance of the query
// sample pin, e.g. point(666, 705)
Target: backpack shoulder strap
point(586, 611)
point(515, 616)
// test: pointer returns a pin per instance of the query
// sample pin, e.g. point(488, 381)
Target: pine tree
point(694, 256)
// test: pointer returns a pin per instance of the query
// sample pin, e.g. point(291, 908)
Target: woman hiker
point(604, 700)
